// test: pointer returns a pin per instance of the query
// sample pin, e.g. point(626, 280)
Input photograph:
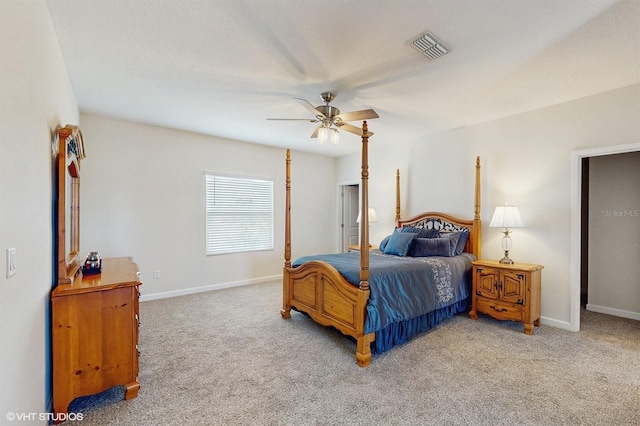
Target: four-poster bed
point(342, 291)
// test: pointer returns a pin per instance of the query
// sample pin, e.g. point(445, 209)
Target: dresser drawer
point(499, 310)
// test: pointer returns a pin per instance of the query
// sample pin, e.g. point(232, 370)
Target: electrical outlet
point(156, 274)
point(11, 262)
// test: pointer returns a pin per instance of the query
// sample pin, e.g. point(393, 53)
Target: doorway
point(610, 234)
point(577, 262)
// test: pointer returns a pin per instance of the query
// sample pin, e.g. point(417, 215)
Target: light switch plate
point(11, 262)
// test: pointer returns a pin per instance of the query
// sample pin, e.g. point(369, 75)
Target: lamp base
point(506, 259)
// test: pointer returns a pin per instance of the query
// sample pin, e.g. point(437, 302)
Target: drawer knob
point(498, 310)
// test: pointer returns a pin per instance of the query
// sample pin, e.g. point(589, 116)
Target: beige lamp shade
point(373, 218)
point(506, 217)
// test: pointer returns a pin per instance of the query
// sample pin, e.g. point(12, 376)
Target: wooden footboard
point(319, 290)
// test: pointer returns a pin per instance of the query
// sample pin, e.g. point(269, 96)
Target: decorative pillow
point(422, 232)
point(462, 239)
point(384, 242)
point(464, 236)
point(424, 247)
point(406, 229)
point(399, 243)
point(428, 233)
point(453, 238)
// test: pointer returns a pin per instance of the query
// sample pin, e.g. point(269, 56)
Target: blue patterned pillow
point(399, 243)
point(424, 247)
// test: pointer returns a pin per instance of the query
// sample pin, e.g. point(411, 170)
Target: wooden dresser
point(95, 333)
point(507, 292)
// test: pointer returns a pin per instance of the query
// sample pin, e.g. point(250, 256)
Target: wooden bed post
point(476, 215)
point(364, 212)
point(363, 341)
point(397, 196)
point(286, 304)
point(287, 214)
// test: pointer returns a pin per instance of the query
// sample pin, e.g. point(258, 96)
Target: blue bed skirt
point(401, 332)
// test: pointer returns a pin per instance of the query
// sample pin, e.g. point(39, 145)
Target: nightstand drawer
point(499, 310)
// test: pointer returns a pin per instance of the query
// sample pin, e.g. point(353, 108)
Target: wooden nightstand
point(356, 247)
point(507, 292)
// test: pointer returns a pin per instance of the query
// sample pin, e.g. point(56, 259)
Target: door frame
point(340, 204)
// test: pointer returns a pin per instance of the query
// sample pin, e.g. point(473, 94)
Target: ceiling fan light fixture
point(330, 119)
point(429, 45)
point(335, 137)
point(323, 135)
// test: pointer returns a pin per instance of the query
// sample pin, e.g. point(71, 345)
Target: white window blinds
point(239, 214)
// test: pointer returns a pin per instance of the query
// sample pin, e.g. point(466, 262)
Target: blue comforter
point(405, 288)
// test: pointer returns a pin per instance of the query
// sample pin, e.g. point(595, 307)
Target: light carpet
point(226, 357)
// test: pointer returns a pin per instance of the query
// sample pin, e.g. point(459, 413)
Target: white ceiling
point(221, 67)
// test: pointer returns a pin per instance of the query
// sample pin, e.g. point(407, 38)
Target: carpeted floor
point(226, 358)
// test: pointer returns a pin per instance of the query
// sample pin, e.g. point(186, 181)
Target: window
point(239, 214)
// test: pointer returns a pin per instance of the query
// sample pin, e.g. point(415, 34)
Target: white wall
point(526, 161)
point(36, 97)
point(614, 235)
point(143, 196)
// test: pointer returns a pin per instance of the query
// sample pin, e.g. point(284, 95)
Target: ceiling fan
point(331, 120)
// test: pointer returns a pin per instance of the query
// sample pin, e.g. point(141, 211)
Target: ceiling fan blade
point(305, 103)
point(351, 129)
point(312, 120)
point(364, 114)
point(315, 132)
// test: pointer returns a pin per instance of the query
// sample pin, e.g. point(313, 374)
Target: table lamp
point(506, 217)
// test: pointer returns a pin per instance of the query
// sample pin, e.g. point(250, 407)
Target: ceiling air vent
point(429, 45)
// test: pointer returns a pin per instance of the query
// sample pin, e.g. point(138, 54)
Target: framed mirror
point(70, 153)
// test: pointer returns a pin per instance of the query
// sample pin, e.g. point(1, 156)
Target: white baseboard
point(613, 311)
point(556, 323)
point(212, 287)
